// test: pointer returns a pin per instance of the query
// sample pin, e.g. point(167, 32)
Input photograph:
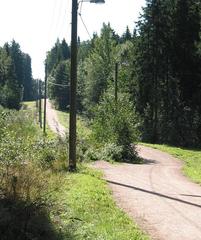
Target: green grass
point(191, 158)
point(31, 106)
point(92, 211)
point(82, 205)
point(82, 129)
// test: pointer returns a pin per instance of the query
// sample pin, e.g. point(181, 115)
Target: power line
point(60, 85)
point(63, 24)
point(53, 18)
point(81, 7)
point(82, 20)
point(60, 19)
point(57, 20)
point(85, 26)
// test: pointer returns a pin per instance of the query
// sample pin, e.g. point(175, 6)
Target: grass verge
point(82, 129)
point(191, 158)
point(93, 211)
point(80, 206)
point(31, 107)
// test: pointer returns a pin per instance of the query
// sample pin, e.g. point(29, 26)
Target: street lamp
point(73, 84)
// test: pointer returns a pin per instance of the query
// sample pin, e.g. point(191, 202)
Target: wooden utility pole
point(45, 100)
point(73, 87)
point(40, 105)
point(37, 94)
point(116, 82)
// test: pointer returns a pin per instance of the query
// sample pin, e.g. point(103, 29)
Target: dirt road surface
point(53, 122)
point(156, 195)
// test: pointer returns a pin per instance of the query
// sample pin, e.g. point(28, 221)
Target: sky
point(36, 24)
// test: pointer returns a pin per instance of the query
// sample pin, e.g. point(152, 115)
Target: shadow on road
point(155, 193)
point(149, 161)
point(187, 195)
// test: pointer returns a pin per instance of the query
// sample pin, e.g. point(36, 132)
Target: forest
point(159, 74)
point(16, 81)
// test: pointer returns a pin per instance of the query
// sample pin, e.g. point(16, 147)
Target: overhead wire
point(54, 19)
point(82, 20)
point(63, 17)
point(59, 17)
point(62, 23)
point(85, 26)
point(59, 85)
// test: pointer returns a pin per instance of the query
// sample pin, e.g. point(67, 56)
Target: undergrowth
point(28, 163)
point(39, 200)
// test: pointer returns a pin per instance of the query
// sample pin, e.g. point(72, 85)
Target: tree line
point(16, 81)
point(58, 70)
point(159, 72)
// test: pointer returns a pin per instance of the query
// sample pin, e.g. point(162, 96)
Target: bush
point(116, 124)
point(111, 152)
point(50, 153)
point(26, 173)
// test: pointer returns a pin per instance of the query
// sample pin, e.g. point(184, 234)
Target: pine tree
point(167, 71)
point(99, 67)
point(59, 85)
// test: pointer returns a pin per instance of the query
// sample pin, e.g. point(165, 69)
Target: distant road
point(156, 195)
point(53, 121)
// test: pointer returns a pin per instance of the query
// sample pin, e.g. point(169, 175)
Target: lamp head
point(97, 1)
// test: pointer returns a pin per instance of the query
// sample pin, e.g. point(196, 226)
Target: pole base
point(72, 169)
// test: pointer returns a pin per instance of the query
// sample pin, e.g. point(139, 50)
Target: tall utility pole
point(45, 100)
point(116, 82)
point(73, 87)
point(40, 105)
point(73, 84)
point(37, 94)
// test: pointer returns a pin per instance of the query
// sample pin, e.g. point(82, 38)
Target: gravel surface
point(156, 195)
point(53, 122)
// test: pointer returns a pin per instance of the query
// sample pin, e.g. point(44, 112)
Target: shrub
point(111, 152)
point(26, 174)
point(116, 123)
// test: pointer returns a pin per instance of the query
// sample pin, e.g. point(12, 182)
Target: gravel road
point(156, 195)
point(53, 122)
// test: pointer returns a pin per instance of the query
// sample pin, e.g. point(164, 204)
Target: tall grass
point(40, 200)
point(27, 163)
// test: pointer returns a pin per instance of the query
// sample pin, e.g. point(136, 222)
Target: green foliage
point(27, 177)
point(39, 200)
point(111, 152)
point(15, 76)
point(60, 84)
point(166, 72)
point(60, 52)
point(116, 123)
point(58, 72)
point(98, 67)
point(159, 69)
